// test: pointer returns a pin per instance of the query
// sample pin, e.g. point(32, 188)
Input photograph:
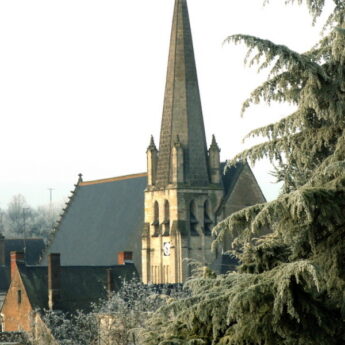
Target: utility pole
point(50, 196)
point(24, 231)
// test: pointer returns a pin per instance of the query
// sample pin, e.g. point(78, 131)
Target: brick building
point(34, 289)
point(166, 215)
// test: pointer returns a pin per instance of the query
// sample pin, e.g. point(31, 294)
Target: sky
point(82, 85)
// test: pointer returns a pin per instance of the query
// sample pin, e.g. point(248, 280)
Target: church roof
point(182, 113)
point(104, 217)
point(230, 176)
point(80, 285)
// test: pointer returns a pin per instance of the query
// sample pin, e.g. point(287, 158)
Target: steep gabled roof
point(35, 280)
point(103, 218)
point(182, 112)
point(80, 285)
point(230, 176)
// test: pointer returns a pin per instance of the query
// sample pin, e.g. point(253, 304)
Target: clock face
point(166, 248)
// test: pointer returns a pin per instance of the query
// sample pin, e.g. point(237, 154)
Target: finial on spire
point(80, 179)
point(152, 142)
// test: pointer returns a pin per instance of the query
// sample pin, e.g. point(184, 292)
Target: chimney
point(2, 250)
point(54, 286)
point(124, 257)
point(110, 282)
point(15, 257)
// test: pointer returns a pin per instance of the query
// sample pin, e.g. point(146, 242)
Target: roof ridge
point(112, 179)
point(61, 217)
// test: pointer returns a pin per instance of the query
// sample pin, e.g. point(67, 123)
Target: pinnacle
point(152, 145)
point(214, 145)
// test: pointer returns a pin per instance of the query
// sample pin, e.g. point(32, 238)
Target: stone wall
point(166, 255)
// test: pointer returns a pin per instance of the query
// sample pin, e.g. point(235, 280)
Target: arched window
point(166, 222)
point(155, 222)
point(192, 219)
point(207, 220)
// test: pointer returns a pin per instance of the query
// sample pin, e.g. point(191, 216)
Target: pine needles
point(289, 288)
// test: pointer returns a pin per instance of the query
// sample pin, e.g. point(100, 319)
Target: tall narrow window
point(207, 220)
point(19, 296)
point(155, 219)
point(166, 222)
point(192, 219)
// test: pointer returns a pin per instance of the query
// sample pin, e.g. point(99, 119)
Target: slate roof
point(104, 217)
point(80, 285)
point(33, 253)
point(33, 249)
point(230, 176)
point(4, 278)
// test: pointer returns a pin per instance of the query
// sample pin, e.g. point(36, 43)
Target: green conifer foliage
point(290, 286)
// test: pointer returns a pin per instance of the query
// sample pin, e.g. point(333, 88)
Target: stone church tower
point(185, 190)
point(184, 184)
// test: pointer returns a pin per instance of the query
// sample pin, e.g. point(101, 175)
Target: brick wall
point(16, 309)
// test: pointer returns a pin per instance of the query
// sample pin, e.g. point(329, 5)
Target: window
point(166, 222)
point(155, 219)
point(19, 296)
point(207, 221)
point(192, 219)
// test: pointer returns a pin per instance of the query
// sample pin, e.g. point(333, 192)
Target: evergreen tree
point(290, 286)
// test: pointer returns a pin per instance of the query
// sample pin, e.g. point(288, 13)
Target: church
point(162, 219)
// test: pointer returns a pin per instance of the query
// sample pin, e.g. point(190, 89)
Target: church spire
point(182, 113)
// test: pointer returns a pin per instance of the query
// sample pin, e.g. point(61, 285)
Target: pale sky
point(82, 84)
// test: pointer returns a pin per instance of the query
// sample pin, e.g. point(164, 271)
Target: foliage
point(79, 328)
point(14, 338)
point(289, 288)
point(117, 320)
point(126, 312)
point(21, 220)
